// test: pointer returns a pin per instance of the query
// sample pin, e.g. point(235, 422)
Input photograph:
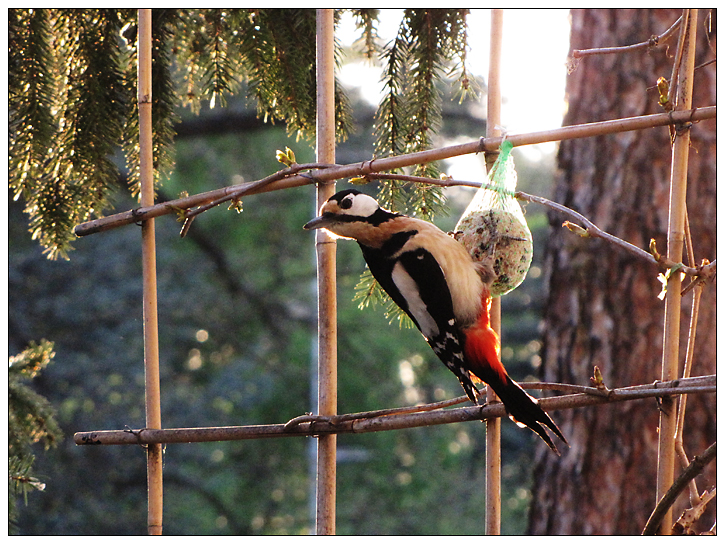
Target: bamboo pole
point(493, 518)
point(676, 236)
point(151, 324)
point(362, 168)
point(396, 419)
point(327, 304)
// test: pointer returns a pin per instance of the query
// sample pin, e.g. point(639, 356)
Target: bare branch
point(704, 273)
point(691, 472)
point(653, 41)
point(392, 163)
point(385, 422)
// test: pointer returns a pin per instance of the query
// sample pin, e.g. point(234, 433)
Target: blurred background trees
point(236, 296)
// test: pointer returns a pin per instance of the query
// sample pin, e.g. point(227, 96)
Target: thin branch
point(393, 163)
point(336, 419)
point(593, 231)
point(653, 41)
point(680, 450)
point(672, 98)
point(683, 525)
point(252, 187)
point(691, 472)
point(706, 272)
point(387, 422)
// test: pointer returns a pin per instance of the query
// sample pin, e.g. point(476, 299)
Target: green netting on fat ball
point(493, 228)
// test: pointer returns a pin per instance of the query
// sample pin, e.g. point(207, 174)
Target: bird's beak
point(318, 223)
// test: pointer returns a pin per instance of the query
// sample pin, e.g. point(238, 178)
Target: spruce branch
point(31, 419)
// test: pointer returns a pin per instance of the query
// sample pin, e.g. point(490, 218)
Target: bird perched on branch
point(443, 290)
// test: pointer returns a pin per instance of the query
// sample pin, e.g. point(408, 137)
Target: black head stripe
point(340, 195)
point(375, 219)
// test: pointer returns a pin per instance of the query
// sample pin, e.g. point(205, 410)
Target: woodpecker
point(441, 288)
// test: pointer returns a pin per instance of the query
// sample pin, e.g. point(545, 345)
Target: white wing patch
point(410, 292)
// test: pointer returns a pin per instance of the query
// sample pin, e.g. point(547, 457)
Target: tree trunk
point(603, 308)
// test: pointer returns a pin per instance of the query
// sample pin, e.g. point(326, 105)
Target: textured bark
point(603, 308)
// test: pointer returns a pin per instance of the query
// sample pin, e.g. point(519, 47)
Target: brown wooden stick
point(377, 422)
point(392, 163)
point(702, 273)
point(676, 237)
point(151, 322)
point(653, 41)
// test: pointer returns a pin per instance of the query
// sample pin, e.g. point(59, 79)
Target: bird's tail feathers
point(525, 410)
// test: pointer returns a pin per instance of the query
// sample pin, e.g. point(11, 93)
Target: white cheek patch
point(362, 205)
point(409, 289)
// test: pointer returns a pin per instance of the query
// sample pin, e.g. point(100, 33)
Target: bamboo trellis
point(327, 424)
point(493, 518)
point(327, 304)
point(151, 319)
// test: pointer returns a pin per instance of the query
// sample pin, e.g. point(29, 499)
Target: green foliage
point(366, 20)
point(369, 293)
point(30, 416)
point(72, 75)
point(67, 106)
point(237, 323)
point(410, 111)
point(31, 419)
point(72, 104)
point(208, 56)
point(164, 98)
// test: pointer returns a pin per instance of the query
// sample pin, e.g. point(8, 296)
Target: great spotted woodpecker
point(443, 290)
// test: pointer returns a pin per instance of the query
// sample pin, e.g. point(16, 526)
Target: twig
point(400, 161)
point(653, 41)
point(680, 450)
point(252, 187)
point(672, 98)
point(338, 418)
point(704, 384)
point(705, 272)
point(691, 472)
point(691, 515)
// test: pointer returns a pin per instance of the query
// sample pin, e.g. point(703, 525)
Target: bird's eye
point(346, 203)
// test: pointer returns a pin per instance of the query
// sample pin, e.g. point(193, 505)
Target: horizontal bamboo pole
point(391, 163)
point(401, 420)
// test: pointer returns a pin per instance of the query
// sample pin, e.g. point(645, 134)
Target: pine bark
point(602, 306)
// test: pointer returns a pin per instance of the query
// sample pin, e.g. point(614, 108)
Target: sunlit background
point(225, 367)
point(534, 52)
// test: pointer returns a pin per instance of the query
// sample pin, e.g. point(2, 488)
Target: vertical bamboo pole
point(151, 325)
point(493, 521)
point(676, 235)
point(327, 304)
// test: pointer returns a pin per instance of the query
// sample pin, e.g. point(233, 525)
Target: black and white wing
point(416, 283)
